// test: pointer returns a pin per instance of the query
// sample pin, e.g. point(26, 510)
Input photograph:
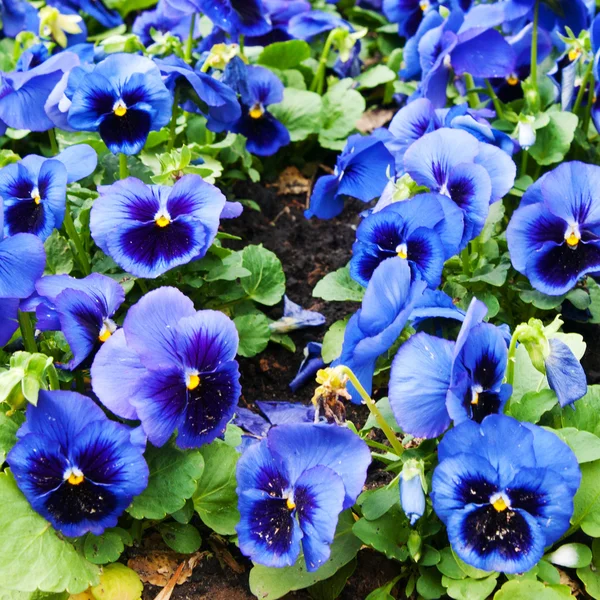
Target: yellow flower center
point(163, 221)
point(291, 505)
point(512, 80)
point(37, 199)
point(257, 111)
point(193, 382)
point(75, 479)
point(500, 504)
point(402, 251)
point(424, 5)
point(475, 398)
point(574, 54)
point(104, 335)
point(120, 108)
point(572, 236)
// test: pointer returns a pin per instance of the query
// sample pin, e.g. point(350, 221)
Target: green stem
point(583, 86)
point(534, 45)
point(123, 168)
point(510, 369)
point(472, 95)
point(174, 116)
point(190, 41)
point(242, 54)
point(524, 159)
point(142, 285)
point(495, 99)
point(27, 332)
point(387, 430)
point(319, 79)
point(465, 259)
point(82, 256)
point(53, 381)
point(53, 143)
point(588, 109)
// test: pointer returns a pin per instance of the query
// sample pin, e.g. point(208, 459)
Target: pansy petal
point(565, 373)
point(325, 201)
point(9, 309)
point(483, 53)
point(500, 167)
point(22, 261)
point(80, 161)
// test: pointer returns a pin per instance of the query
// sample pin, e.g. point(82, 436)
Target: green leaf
point(8, 432)
point(174, 474)
point(375, 503)
point(333, 341)
point(229, 269)
point(429, 584)
point(584, 444)
point(591, 580)
point(216, 499)
point(339, 287)
point(331, 588)
point(269, 583)
point(386, 411)
point(300, 112)
point(375, 76)
point(59, 256)
point(572, 556)
point(32, 555)
point(266, 282)
point(387, 534)
point(448, 565)
point(118, 582)
point(254, 333)
point(342, 107)
point(554, 140)
point(586, 416)
point(106, 548)
point(182, 538)
point(533, 405)
point(184, 515)
point(11, 595)
point(530, 589)
point(586, 512)
point(284, 55)
point(470, 589)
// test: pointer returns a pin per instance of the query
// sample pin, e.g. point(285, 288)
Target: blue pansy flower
point(34, 190)
point(17, 16)
point(554, 236)
point(163, 19)
point(408, 14)
point(292, 487)
point(434, 381)
point(309, 366)
point(201, 93)
point(281, 12)
point(264, 133)
point(371, 331)
point(78, 469)
point(471, 173)
point(123, 98)
point(505, 491)
point(149, 229)
point(83, 309)
point(172, 368)
point(308, 25)
point(296, 317)
point(23, 94)
point(425, 231)
point(32, 57)
point(361, 172)
point(23, 259)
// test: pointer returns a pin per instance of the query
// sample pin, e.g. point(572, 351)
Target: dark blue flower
point(554, 237)
point(361, 172)
point(32, 57)
point(123, 98)
point(309, 366)
point(77, 469)
point(148, 230)
point(164, 19)
point(471, 173)
point(505, 491)
point(434, 381)
point(425, 231)
point(371, 331)
point(292, 487)
point(201, 93)
point(265, 134)
point(83, 309)
point(281, 12)
point(408, 14)
point(172, 368)
point(23, 94)
point(34, 190)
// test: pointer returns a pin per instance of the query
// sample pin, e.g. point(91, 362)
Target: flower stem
point(190, 41)
point(53, 143)
point(510, 367)
point(142, 285)
point(534, 45)
point(586, 77)
point(174, 116)
point(387, 430)
point(472, 95)
point(82, 256)
point(53, 381)
point(242, 40)
point(123, 168)
point(27, 332)
point(495, 99)
point(319, 79)
point(588, 109)
point(524, 159)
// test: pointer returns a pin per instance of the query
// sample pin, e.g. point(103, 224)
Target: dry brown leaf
point(223, 555)
point(157, 566)
point(165, 594)
point(292, 182)
point(372, 119)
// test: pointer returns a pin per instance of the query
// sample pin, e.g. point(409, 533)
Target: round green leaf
point(182, 538)
point(118, 582)
point(266, 282)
